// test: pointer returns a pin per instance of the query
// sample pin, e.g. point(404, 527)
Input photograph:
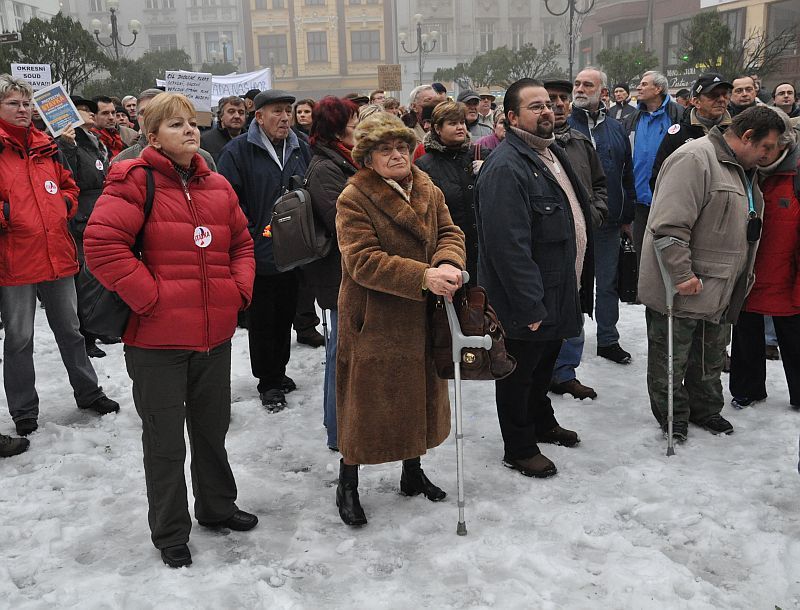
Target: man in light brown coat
point(704, 224)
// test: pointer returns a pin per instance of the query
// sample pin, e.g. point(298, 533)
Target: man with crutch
point(703, 231)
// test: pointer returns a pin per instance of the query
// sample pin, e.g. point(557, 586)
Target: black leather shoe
point(93, 351)
point(27, 426)
point(414, 483)
point(348, 503)
point(239, 521)
point(312, 338)
point(10, 446)
point(273, 400)
point(536, 466)
point(177, 556)
point(102, 405)
point(559, 436)
point(288, 385)
point(614, 353)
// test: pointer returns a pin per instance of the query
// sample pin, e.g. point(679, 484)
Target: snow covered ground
point(620, 526)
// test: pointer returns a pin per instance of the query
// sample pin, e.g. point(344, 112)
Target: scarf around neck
point(533, 140)
point(18, 134)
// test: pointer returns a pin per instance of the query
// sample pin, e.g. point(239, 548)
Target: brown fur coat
point(390, 403)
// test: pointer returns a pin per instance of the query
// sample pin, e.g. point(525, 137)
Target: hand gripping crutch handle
point(460, 341)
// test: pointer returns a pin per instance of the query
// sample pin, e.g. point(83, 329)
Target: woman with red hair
point(331, 139)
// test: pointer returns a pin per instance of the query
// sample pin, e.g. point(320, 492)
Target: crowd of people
point(530, 196)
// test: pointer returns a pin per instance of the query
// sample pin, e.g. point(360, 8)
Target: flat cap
point(468, 95)
point(273, 96)
point(558, 83)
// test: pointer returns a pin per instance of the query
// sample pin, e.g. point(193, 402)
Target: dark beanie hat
point(623, 86)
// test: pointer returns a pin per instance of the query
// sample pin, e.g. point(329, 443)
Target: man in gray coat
point(704, 225)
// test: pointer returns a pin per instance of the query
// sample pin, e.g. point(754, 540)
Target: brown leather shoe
point(574, 387)
point(559, 436)
point(537, 466)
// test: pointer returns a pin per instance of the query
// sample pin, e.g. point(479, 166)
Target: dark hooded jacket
point(87, 161)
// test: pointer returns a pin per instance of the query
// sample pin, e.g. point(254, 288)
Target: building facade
point(14, 14)
point(321, 47)
point(208, 30)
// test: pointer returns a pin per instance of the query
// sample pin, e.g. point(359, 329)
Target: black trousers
point(306, 319)
point(270, 327)
point(641, 214)
point(171, 387)
point(749, 364)
point(523, 406)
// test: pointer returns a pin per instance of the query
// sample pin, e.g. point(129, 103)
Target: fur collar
point(410, 215)
point(432, 143)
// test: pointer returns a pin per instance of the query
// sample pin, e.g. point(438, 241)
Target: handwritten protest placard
point(197, 87)
point(235, 84)
point(56, 108)
point(38, 76)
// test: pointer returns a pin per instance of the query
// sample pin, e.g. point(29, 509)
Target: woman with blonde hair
point(398, 245)
point(194, 275)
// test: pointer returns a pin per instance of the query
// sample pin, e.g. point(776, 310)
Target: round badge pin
point(51, 187)
point(674, 129)
point(99, 165)
point(202, 237)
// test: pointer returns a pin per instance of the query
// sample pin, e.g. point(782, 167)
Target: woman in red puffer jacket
point(776, 291)
point(195, 274)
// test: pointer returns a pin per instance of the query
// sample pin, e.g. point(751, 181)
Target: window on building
point(163, 42)
point(486, 36)
point(518, 29)
point(626, 41)
point(198, 47)
point(317, 43)
point(278, 4)
point(443, 35)
point(735, 22)
point(151, 4)
point(781, 17)
point(373, 1)
point(3, 24)
point(19, 16)
point(355, 1)
point(261, 5)
point(167, 3)
point(96, 6)
point(673, 42)
point(211, 45)
point(272, 50)
point(586, 53)
point(365, 45)
point(550, 30)
point(315, 3)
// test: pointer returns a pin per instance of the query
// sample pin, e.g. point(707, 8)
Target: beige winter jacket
point(701, 201)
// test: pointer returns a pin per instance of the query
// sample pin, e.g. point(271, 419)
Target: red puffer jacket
point(37, 198)
point(777, 288)
point(197, 265)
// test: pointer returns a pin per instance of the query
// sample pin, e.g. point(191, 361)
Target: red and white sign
point(202, 237)
point(51, 187)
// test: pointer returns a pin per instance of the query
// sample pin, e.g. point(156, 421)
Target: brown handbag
point(477, 318)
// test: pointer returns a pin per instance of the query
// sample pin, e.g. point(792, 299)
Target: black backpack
point(297, 237)
point(101, 311)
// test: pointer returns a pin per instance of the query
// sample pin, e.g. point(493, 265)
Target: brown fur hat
point(377, 129)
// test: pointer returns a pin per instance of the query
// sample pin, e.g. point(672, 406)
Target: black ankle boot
point(413, 481)
point(347, 495)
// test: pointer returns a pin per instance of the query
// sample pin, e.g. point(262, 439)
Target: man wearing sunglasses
point(536, 262)
point(704, 228)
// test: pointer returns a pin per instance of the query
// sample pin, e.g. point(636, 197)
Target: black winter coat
point(587, 165)
point(451, 171)
point(86, 160)
point(526, 247)
point(326, 177)
point(214, 140)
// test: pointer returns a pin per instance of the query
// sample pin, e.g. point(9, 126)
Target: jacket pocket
point(727, 199)
point(552, 283)
point(550, 219)
point(717, 286)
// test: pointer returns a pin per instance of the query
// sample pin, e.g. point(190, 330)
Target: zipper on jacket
point(203, 269)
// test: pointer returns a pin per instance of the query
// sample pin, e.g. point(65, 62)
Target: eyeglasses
point(538, 108)
point(386, 150)
point(17, 104)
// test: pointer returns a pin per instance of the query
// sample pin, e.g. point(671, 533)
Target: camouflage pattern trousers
point(698, 359)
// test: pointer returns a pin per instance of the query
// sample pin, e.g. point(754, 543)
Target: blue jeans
point(329, 391)
point(18, 305)
point(569, 358)
point(606, 258)
point(770, 336)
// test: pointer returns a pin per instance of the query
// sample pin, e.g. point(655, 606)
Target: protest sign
point(56, 108)
point(37, 76)
point(235, 84)
point(390, 77)
point(197, 87)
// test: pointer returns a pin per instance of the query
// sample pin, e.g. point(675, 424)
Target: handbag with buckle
point(477, 318)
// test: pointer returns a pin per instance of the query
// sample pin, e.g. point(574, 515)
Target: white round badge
point(202, 237)
point(99, 165)
point(674, 129)
point(51, 187)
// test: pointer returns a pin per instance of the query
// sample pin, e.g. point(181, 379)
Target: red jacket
point(777, 288)
point(37, 198)
point(197, 265)
point(112, 140)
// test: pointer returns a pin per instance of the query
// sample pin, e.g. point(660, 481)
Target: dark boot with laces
point(413, 482)
point(347, 495)
point(12, 446)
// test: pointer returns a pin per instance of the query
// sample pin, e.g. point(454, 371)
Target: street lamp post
point(426, 43)
point(134, 26)
point(573, 11)
point(224, 41)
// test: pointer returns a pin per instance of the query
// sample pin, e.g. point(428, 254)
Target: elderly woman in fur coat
point(398, 244)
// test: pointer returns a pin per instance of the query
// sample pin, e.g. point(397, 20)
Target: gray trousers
point(171, 388)
point(18, 309)
point(698, 358)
